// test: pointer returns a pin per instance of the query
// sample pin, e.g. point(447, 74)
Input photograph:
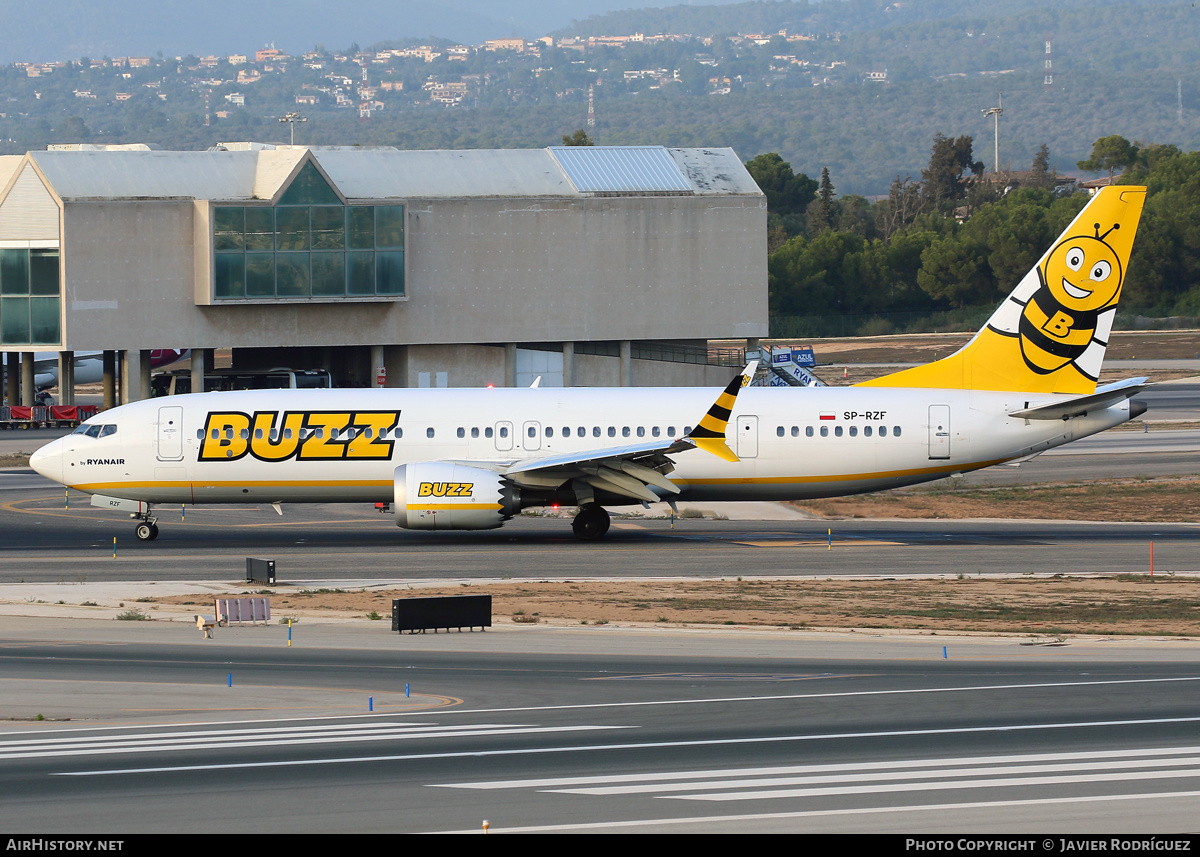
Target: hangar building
point(587, 265)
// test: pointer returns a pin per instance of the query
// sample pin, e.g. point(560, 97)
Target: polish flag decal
point(828, 415)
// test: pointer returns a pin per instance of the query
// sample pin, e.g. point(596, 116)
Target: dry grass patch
point(1126, 604)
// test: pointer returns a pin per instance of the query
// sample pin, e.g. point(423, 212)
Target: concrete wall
point(480, 271)
point(128, 277)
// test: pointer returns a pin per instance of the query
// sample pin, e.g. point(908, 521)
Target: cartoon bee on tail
point(1073, 307)
point(1049, 335)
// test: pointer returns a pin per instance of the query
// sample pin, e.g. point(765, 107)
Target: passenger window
point(320, 434)
point(895, 431)
point(287, 434)
point(595, 431)
point(333, 434)
point(429, 432)
point(82, 429)
point(612, 431)
point(475, 431)
point(808, 432)
point(229, 433)
point(581, 432)
point(462, 432)
point(367, 432)
point(503, 431)
point(670, 431)
point(641, 431)
point(625, 431)
point(566, 431)
point(795, 431)
point(779, 431)
point(549, 432)
point(655, 431)
point(487, 432)
point(837, 431)
point(853, 431)
point(883, 431)
point(824, 431)
point(867, 431)
point(258, 433)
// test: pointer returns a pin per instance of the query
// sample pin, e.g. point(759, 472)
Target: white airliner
point(473, 458)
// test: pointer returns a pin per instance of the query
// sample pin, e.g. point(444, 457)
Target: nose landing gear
point(147, 530)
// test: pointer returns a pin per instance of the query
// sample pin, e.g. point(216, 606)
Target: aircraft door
point(747, 436)
point(504, 436)
point(531, 436)
point(170, 434)
point(939, 431)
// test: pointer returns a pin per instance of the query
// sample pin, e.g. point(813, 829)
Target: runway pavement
point(590, 730)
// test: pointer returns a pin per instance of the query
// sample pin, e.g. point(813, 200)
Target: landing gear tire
point(591, 523)
point(146, 532)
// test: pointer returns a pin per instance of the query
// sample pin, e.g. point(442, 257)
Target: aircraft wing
point(1104, 397)
point(632, 470)
point(627, 470)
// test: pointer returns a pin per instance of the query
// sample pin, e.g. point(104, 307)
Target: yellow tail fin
point(1049, 335)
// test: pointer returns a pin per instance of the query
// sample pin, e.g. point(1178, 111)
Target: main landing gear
point(591, 523)
point(147, 530)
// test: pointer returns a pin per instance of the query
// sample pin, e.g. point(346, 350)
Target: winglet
point(709, 435)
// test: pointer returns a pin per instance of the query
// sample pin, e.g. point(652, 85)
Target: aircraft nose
point(48, 461)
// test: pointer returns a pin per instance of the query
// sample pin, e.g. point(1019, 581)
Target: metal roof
point(388, 173)
point(715, 171)
point(382, 173)
point(149, 175)
point(620, 169)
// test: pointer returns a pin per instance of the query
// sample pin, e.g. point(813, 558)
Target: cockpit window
point(105, 431)
point(93, 431)
point(81, 429)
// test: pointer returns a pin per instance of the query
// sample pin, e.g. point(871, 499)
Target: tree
point(825, 213)
point(787, 192)
point(1109, 153)
point(579, 138)
point(1040, 173)
point(956, 271)
point(944, 183)
point(903, 205)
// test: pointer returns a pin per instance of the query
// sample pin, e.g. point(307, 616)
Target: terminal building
point(587, 266)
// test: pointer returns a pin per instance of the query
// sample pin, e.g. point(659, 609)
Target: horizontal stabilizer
point(1104, 397)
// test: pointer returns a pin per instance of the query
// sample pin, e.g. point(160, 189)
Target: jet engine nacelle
point(437, 495)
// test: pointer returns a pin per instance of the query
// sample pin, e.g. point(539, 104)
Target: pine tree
point(826, 214)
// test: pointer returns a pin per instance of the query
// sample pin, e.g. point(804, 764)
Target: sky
point(71, 29)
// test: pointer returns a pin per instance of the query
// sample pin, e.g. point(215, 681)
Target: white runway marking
point(250, 740)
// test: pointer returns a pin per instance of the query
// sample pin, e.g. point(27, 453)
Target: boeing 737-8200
point(473, 458)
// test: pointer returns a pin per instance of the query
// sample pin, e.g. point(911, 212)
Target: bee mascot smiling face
point(1079, 279)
